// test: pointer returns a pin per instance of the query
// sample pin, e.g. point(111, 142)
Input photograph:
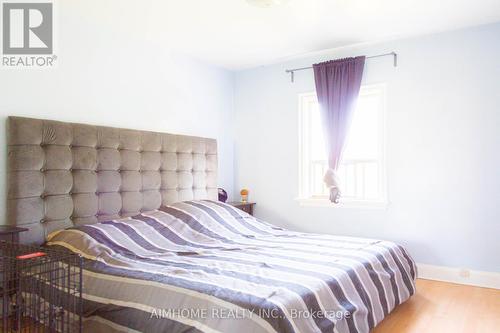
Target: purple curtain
point(337, 87)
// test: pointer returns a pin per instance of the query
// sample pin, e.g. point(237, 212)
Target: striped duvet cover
point(205, 266)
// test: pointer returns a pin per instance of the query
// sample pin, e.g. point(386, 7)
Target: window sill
point(351, 204)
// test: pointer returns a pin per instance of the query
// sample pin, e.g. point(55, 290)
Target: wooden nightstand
point(10, 233)
point(244, 206)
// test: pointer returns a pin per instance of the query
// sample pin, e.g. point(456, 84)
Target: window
point(362, 170)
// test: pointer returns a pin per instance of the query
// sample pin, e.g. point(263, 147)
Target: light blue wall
point(443, 147)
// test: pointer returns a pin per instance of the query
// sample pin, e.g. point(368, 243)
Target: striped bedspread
point(204, 266)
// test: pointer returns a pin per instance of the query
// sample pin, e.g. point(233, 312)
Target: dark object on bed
point(222, 195)
point(41, 289)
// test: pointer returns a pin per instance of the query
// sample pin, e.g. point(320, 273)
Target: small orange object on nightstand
point(244, 195)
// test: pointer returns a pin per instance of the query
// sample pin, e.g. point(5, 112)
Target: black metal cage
point(41, 289)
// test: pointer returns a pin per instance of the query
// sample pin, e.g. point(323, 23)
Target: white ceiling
point(235, 35)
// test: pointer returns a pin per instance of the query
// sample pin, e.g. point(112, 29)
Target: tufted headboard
point(65, 174)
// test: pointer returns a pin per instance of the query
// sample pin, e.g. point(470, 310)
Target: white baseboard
point(459, 275)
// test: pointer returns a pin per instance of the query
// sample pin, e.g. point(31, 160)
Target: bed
point(164, 256)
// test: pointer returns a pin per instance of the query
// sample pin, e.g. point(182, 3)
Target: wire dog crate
point(40, 289)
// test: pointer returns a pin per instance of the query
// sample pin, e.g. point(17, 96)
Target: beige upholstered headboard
point(65, 174)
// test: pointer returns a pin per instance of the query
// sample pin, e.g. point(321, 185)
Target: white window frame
point(306, 199)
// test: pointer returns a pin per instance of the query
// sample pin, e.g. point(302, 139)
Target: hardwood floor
point(445, 307)
point(440, 307)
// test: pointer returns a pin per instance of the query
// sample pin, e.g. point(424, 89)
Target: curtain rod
point(393, 54)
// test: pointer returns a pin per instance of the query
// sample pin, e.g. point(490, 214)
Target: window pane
point(363, 139)
point(371, 181)
point(318, 148)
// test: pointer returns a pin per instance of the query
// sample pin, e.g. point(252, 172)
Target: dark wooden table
point(244, 206)
point(10, 233)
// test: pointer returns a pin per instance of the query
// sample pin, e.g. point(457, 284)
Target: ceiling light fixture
point(267, 3)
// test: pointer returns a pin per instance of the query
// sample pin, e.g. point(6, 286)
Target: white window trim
point(346, 203)
point(321, 201)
